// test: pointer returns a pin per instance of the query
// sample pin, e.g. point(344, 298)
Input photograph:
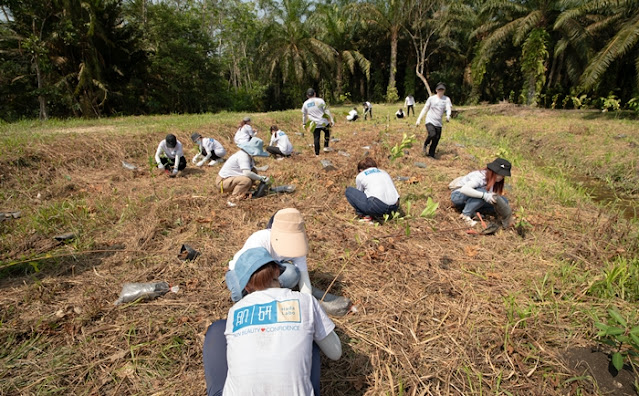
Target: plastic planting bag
point(145, 291)
point(332, 304)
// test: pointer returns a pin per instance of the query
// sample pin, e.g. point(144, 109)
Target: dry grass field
point(439, 311)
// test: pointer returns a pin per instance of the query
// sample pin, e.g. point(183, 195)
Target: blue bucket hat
point(254, 148)
point(249, 262)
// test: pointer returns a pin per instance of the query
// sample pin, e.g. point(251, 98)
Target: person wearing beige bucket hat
point(238, 172)
point(287, 243)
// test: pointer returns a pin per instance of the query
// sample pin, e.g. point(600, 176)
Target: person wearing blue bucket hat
point(238, 173)
point(272, 338)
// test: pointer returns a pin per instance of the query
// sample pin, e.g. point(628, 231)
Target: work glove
point(200, 163)
point(161, 166)
point(194, 160)
point(489, 197)
point(264, 178)
point(447, 119)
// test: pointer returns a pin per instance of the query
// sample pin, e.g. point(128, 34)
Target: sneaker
point(469, 222)
point(215, 162)
point(231, 204)
point(327, 149)
point(366, 219)
point(280, 159)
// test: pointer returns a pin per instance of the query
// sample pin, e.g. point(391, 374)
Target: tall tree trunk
point(391, 91)
point(41, 99)
point(340, 76)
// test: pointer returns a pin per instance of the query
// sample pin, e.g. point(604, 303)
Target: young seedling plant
point(618, 333)
point(397, 150)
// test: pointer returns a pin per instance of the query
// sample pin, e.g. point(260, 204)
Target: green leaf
point(614, 331)
point(635, 330)
point(617, 317)
point(635, 340)
point(617, 361)
point(601, 326)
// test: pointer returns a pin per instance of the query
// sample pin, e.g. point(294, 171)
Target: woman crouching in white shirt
point(375, 194)
point(478, 190)
point(270, 343)
point(280, 145)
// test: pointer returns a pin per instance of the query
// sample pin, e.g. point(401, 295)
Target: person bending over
point(478, 190)
point(270, 343)
point(399, 114)
point(280, 145)
point(209, 149)
point(375, 194)
point(352, 115)
point(286, 241)
point(238, 172)
point(173, 155)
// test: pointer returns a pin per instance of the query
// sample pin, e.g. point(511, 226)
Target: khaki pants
point(236, 185)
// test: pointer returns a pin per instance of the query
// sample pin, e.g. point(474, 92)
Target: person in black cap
point(315, 110)
point(479, 190)
point(436, 105)
point(173, 155)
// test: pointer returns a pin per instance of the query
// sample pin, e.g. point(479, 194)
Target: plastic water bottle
point(146, 291)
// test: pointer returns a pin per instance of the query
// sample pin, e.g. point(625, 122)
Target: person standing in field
point(244, 132)
point(409, 102)
point(315, 110)
point(436, 105)
point(280, 145)
point(173, 155)
point(368, 110)
point(209, 148)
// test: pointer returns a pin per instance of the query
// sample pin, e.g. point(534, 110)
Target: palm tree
point(593, 19)
point(336, 28)
point(527, 24)
point(289, 48)
point(390, 15)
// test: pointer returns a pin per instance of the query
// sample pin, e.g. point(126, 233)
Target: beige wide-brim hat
point(288, 236)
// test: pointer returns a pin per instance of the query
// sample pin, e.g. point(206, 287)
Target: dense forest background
point(89, 58)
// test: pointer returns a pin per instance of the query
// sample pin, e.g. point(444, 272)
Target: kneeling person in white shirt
point(209, 149)
point(375, 194)
point(238, 172)
point(280, 144)
point(173, 155)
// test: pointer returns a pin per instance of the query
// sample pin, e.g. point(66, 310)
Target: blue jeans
point(368, 206)
point(288, 279)
point(470, 205)
point(215, 366)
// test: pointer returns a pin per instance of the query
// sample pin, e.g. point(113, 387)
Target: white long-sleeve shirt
point(410, 101)
point(211, 146)
point(282, 141)
point(435, 106)
point(244, 134)
point(174, 153)
point(315, 109)
point(377, 183)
